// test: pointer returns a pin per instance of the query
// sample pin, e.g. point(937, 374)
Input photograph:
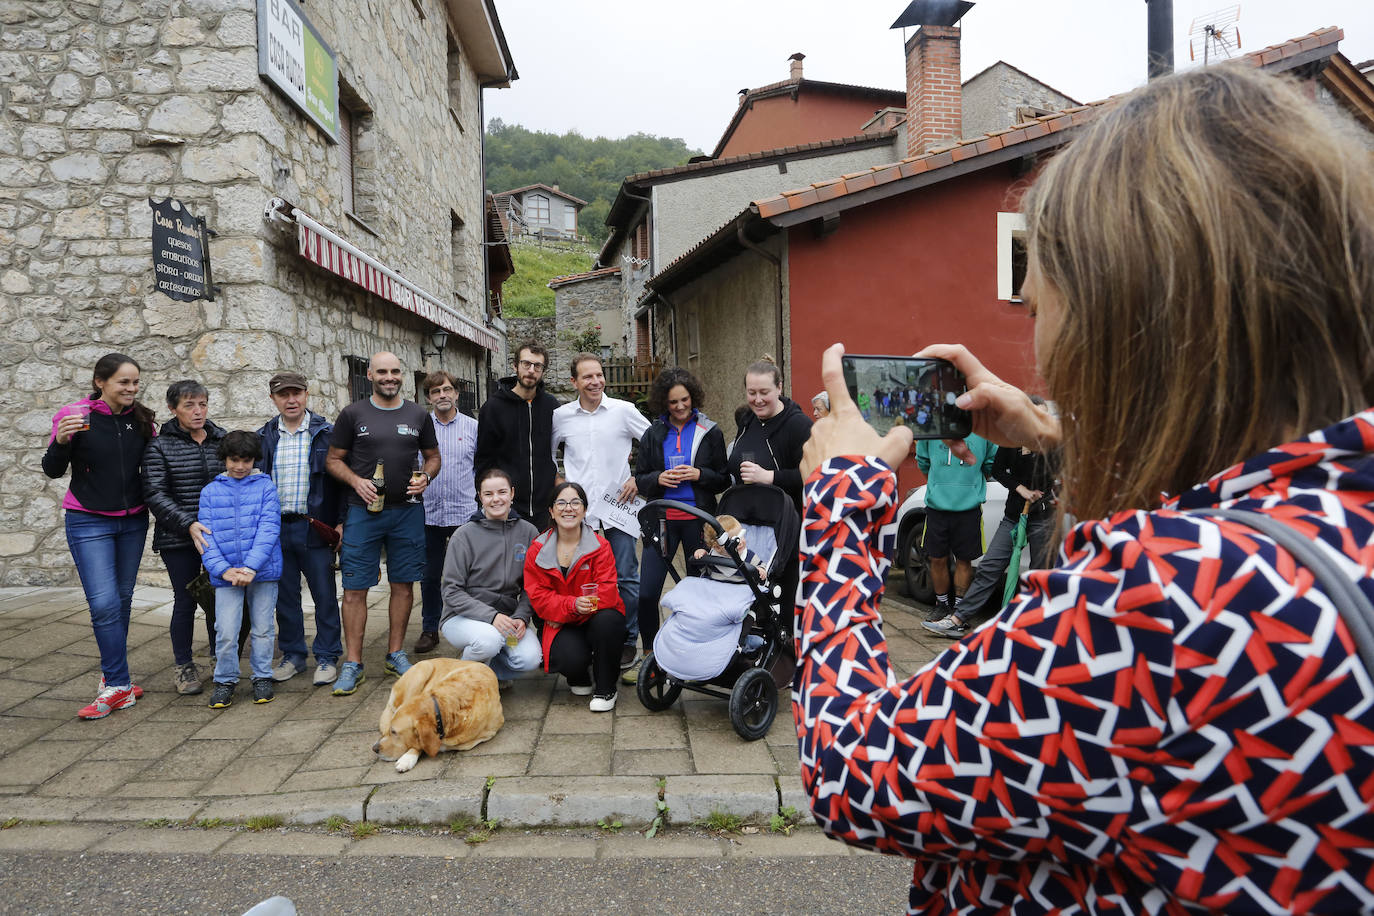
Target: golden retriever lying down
point(440, 704)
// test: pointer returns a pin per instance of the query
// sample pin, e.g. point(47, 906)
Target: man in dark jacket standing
point(515, 433)
point(295, 445)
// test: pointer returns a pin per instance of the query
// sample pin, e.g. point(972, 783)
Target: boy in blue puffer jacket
point(242, 556)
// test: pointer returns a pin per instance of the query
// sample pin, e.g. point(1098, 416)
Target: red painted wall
point(778, 121)
point(909, 271)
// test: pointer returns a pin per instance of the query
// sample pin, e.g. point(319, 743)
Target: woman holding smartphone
point(1175, 717)
point(570, 579)
point(681, 457)
point(101, 439)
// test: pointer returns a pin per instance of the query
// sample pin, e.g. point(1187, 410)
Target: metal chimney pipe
point(1160, 37)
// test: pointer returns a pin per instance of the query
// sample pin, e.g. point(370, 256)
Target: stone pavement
point(307, 757)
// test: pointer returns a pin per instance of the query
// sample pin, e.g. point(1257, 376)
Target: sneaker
point(223, 697)
point(948, 626)
point(580, 690)
point(602, 703)
point(138, 691)
point(325, 673)
point(397, 662)
point(262, 689)
point(939, 611)
point(350, 676)
point(427, 643)
point(628, 656)
point(188, 679)
point(631, 675)
point(287, 670)
point(107, 701)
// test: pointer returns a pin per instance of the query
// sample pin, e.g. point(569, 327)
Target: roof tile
point(803, 199)
point(960, 153)
point(884, 174)
point(830, 191)
point(859, 182)
point(772, 206)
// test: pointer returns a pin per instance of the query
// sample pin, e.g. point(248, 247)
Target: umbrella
point(1018, 543)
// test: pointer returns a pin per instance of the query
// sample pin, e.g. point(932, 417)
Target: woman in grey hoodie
point(486, 614)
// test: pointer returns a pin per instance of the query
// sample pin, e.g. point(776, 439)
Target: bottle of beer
point(378, 481)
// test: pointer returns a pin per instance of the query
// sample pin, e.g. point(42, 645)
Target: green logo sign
point(293, 57)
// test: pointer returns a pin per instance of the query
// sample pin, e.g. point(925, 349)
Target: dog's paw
point(407, 761)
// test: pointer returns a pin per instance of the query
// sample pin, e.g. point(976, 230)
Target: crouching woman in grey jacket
point(486, 613)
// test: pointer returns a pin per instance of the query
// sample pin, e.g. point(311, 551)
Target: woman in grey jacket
point(486, 614)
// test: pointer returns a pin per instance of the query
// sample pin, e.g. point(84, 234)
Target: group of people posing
point(518, 565)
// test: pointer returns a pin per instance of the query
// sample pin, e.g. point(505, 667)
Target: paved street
point(307, 756)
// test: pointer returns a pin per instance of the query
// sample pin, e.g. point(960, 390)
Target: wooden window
point(455, 81)
point(346, 155)
point(537, 209)
point(641, 243)
point(1011, 255)
point(457, 253)
point(359, 386)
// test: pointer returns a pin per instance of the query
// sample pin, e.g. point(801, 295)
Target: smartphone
point(908, 391)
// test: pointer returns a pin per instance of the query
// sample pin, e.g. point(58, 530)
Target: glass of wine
point(417, 475)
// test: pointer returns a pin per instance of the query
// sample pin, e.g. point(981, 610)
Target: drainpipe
point(1160, 38)
point(777, 262)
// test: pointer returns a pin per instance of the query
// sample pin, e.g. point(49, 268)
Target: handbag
point(1351, 603)
point(202, 591)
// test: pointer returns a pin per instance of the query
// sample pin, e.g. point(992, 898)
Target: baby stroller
point(760, 661)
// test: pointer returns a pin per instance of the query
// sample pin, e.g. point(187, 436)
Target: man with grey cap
point(294, 446)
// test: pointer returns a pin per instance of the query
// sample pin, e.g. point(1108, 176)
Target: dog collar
point(438, 717)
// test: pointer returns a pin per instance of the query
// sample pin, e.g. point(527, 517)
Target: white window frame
point(1010, 226)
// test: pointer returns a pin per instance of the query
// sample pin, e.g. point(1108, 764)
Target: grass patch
point(459, 824)
point(11, 822)
point(526, 294)
point(209, 823)
point(482, 833)
point(335, 822)
point(660, 819)
point(784, 820)
point(155, 822)
point(263, 822)
point(609, 826)
point(364, 829)
point(720, 822)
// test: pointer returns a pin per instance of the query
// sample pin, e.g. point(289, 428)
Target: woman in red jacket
point(582, 635)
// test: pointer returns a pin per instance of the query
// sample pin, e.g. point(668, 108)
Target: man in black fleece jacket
point(515, 433)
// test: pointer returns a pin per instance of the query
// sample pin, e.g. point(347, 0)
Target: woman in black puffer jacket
point(176, 466)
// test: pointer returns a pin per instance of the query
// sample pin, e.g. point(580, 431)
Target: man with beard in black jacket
point(515, 433)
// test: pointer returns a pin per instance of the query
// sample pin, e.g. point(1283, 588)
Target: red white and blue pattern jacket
point(1171, 720)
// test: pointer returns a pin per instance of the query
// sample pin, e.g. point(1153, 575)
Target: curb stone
point(564, 801)
point(422, 803)
point(694, 798)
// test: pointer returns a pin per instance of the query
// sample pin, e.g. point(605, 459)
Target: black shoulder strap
point(1352, 604)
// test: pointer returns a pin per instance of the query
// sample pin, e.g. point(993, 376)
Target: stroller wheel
point(655, 689)
point(753, 704)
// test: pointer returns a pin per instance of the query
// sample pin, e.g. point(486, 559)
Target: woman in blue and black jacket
point(682, 436)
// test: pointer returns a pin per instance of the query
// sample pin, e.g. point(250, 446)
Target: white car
point(911, 516)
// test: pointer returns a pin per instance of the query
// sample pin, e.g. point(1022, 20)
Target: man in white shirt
point(597, 433)
point(449, 499)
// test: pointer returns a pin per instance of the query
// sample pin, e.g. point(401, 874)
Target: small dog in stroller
point(727, 636)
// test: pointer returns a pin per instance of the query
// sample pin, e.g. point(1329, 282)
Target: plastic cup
point(512, 640)
point(85, 413)
point(676, 461)
point(746, 456)
point(592, 591)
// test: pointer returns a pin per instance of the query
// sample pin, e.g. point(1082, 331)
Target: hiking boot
point(325, 673)
point(287, 670)
point(949, 626)
point(107, 701)
point(262, 690)
point(223, 697)
point(602, 703)
point(188, 679)
point(427, 643)
point(397, 662)
point(350, 676)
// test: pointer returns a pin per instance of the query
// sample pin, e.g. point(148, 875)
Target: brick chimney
point(934, 103)
point(795, 72)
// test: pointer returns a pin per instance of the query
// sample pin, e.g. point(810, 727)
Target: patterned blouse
point(1173, 719)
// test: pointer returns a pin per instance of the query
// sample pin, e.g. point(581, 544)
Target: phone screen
point(907, 391)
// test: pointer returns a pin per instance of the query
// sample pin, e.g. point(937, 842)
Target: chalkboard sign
point(181, 261)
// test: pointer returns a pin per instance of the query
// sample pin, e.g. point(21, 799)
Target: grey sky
point(614, 67)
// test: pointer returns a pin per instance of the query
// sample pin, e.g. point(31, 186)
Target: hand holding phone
point(844, 431)
point(915, 392)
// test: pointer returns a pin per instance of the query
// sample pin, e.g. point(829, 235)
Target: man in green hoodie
point(955, 492)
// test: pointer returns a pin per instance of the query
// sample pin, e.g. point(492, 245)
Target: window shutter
point(346, 155)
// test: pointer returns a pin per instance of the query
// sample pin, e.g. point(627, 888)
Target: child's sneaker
point(397, 662)
point(223, 697)
point(188, 679)
point(262, 690)
point(107, 701)
point(350, 676)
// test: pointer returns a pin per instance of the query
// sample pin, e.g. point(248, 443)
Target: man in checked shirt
point(294, 446)
point(450, 499)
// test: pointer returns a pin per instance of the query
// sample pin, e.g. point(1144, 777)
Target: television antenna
point(1214, 33)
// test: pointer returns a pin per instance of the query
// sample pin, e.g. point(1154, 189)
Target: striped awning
point(321, 246)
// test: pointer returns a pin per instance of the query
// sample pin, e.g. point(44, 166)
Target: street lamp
point(438, 339)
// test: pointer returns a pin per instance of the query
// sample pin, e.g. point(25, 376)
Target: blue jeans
point(262, 602)
point(317, 565)
point(107, 550)
point(686, 532)
point(627, 573)
point(431, 597)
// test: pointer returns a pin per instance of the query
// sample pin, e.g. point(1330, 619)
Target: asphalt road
point(110, 884)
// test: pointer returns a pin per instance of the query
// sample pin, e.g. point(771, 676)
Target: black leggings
point(594, 645)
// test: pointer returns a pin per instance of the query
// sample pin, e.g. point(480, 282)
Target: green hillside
point(526, 294)
point(591, 169)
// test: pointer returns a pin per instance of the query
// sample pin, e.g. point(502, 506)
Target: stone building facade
point(107, 104)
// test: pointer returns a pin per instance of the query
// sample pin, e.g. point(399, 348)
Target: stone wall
point(991, 98)
point(107, 104)
point(545, 332)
